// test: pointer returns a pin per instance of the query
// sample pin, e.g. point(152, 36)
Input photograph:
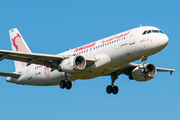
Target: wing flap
point(23, 59)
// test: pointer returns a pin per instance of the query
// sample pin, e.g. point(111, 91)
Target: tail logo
point(14, 43)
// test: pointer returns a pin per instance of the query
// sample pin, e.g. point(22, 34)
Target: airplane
point(111, 56)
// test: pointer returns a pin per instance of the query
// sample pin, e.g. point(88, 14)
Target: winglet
point(172, 71)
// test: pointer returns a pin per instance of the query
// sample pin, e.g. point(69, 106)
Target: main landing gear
point(112, 88)
point(65, 83)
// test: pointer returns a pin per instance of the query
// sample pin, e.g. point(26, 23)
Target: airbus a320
point(111, 56)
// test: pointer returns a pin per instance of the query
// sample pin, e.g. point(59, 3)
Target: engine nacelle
point(144, 74)
point(73, 64)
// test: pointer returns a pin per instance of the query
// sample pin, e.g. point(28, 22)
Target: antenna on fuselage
point(140, 25)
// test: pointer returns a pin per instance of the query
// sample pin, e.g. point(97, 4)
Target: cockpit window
point(155, 31)
point(144, 32)
point(151, 31)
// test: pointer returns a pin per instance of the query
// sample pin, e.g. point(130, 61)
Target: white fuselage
point(111, 54)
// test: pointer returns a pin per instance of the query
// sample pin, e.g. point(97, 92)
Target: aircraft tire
point(115, 90)
point(68, 85)
point(109, 89)
point(62, 84)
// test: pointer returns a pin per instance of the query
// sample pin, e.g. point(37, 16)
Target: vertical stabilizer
point(18, 44)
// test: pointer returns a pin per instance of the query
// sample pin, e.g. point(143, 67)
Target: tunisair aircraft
point(109, 56)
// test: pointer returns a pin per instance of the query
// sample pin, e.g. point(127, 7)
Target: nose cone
point(163, 40)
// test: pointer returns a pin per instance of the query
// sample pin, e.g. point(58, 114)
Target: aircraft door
point(132, 36)
point(29, 73)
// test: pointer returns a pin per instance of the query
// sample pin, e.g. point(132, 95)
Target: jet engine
point(145, 73)
point(73, 64)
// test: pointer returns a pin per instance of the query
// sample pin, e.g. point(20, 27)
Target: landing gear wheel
point(68, 85)
point(115, 90)
point(109, 89)
point(62, 84)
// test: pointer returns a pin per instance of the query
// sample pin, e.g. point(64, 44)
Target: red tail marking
point(14, 43)
point(19, 44)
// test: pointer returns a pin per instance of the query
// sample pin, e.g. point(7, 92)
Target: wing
point(165, 70)
point(9, 74)
point(128, 68)
point(36, 58)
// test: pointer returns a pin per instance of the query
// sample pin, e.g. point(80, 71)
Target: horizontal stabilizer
point(9, 74)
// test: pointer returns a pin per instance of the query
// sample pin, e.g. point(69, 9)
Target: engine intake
point(73, 64)
point(144, 74)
